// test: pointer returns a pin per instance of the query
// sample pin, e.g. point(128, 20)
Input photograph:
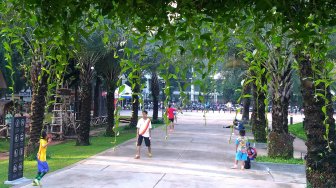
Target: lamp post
point(192, 90)
point(216, 77)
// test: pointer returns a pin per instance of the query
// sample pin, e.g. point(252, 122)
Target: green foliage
point(158, 121)
point(279, 160)
point(4, 145)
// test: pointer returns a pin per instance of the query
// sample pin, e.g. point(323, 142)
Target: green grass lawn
point(298, 131)
point(278, 160)
point(67, 153)
point(4, 145)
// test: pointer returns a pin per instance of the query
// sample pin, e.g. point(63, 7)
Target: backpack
point(242, 144)
point(247, 164)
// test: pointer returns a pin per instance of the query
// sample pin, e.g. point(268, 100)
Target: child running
point(170, 112)
point(42, 165)
point(241, 152)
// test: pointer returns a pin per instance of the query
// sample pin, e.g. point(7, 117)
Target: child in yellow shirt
point(42, 165)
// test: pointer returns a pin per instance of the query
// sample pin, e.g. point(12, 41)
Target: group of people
point(144, 133)
point(144, 126)
point(244, 152)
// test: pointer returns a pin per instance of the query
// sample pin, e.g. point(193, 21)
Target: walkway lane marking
point(159, 180)
point(105, 168)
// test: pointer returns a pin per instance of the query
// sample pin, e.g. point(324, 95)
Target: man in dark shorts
point(144, 133)
point(171, 116)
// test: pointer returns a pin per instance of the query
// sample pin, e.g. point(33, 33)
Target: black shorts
point(147, 141)
point(171, 119)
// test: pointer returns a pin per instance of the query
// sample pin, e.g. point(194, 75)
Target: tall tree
point(280, 68)
point(319, 125)
point(109, 69)
point(96, 97)
point(37, 49)
point(258, 117)
point(39, 80)
point(86, 59)
point(136, 87)
point(246, 102)
point(155, 89)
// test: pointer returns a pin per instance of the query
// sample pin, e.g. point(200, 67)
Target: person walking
point(144, 133)
point(42, 165)
point(170, 112)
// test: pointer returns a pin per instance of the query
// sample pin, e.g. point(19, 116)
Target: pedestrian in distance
point(179, 110)
point(42, 165)
point(144, 133)
point(241, 149)
point(170, 112)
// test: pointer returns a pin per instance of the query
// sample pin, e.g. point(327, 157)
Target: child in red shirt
point(170, 112)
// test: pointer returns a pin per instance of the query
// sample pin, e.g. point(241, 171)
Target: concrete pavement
point(194, 155)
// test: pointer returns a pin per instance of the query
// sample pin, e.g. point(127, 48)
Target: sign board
point(16, 151)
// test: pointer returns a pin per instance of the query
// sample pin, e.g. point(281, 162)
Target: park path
point(194, 155)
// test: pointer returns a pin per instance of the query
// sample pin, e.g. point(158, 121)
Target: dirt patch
point(4, 155)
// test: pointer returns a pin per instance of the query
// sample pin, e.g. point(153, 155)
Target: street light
point(216, 77)
point(192, 90)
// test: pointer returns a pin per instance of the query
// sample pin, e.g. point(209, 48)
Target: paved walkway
point(194, 155)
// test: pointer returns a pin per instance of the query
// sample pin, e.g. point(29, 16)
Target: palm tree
point(136, 85)
point(258, 117)
point(246, 103)
point(96, 97)
point(155, 89)
point(86, 59)
point(39, 80)
point(109, 69)
point(280, 69)
point(321, 147)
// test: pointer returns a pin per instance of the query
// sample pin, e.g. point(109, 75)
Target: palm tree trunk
point(135, 104)
point(258, 119)
point(321, 160)
point(155, 95)
point(83, 136)
point(155, 108)
point(135, 108)
point(37, 116)
point(246, 103)
point(279, 137)
point(110, 112)
point(281, 86)
point(96, 97)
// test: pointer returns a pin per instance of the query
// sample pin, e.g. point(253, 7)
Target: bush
point(157, 121)
point(129, 127)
